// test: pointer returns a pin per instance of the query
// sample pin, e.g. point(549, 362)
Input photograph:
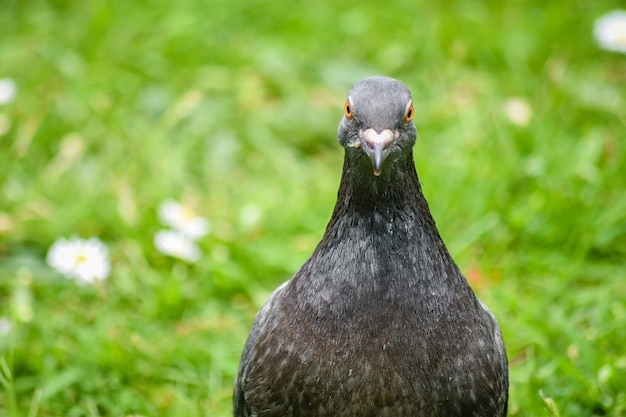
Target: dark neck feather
point(381, 244)
point(395, 196)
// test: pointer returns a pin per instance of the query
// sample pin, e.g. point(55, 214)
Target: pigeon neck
point(382, 233)
point(395, 196)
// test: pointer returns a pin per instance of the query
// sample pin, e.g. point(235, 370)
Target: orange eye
point(348, 110)
point(410, 112)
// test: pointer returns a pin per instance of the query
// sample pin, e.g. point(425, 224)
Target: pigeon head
point(378, 121)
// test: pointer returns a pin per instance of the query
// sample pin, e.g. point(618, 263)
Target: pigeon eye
point(348, 110)
point(410, 112)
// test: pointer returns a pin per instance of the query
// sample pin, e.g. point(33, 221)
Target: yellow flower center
point(81, 258)
point(188, 214)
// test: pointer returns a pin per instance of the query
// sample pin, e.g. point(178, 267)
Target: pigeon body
point(379, 321)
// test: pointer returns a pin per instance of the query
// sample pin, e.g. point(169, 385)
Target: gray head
point(378, 120)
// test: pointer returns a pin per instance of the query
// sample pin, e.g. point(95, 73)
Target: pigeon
point(380, 321)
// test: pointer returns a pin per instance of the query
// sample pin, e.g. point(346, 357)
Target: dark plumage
point(379, 321)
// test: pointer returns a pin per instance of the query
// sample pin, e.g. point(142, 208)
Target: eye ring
point(347, 110)
point(410, 113)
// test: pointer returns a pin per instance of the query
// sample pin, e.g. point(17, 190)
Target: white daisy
point(6, 325)
point(176, 244)
point(183, 219)
point(8, 89)
point(610, 31)
point(85, 260)
point(518, 111)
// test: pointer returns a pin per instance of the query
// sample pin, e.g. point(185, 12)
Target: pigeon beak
point(376, 148)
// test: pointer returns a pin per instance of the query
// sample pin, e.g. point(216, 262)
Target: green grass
point(233, 107)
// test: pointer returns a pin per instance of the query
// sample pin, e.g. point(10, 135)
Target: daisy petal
point(610, 31)
point(85, 260)
point(8, 90)
point(176, 244)
point(183, 219)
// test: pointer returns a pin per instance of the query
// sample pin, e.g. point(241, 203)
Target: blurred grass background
point(232, 107)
